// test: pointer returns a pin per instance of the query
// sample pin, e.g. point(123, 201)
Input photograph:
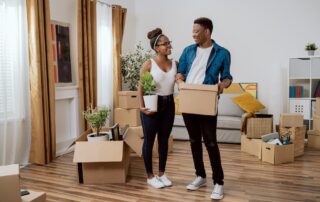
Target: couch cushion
point(229, 122)
point(227, 107)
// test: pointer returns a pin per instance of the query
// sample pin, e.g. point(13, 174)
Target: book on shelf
point(296, 91)
point(317, 90)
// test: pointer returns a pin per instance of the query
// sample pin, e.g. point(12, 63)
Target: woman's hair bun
point(154, 33)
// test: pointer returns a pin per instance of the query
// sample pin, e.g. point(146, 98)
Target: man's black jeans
point(159, 123)
point(199, 126)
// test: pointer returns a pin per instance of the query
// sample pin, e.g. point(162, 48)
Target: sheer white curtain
point(15, 122)
point(104, 55)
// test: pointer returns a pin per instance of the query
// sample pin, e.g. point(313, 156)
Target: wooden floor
point(246, 179)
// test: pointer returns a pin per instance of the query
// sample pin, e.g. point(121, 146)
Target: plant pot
point(310, 52)
point(151, 102)
point(104, 136)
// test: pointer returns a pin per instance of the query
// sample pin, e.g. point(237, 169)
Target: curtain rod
point(104, 3)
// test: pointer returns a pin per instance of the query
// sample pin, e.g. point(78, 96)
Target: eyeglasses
point(168, 43)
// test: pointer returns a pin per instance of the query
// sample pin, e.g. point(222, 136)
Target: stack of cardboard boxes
point(10, 187)
point(314, 135)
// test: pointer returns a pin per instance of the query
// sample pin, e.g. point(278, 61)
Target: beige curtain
point(43, 142)
point(87, 56)
point(118, 23)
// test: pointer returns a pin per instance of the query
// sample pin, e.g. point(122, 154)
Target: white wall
point(261, 35)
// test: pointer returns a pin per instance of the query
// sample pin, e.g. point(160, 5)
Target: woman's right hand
point(146, 111)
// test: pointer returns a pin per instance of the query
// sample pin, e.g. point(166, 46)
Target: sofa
point(228, 126)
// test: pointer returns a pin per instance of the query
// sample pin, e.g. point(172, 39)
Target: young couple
point(204, 62)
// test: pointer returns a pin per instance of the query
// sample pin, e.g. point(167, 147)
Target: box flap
point(83, 136)
point(104, 151)
point(128, 93)
point(9, 170)
point(184, 86)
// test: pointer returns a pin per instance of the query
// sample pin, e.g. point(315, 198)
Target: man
point(204, 63)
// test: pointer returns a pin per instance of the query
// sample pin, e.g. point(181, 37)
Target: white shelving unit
point(304, 72)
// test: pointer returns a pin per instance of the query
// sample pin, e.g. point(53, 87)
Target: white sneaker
point(165, 181)
point(155, 182)
point(197, 183)
point(217, 192)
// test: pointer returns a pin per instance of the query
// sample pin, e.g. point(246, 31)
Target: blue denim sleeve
point(182, 67)
point(225, 73)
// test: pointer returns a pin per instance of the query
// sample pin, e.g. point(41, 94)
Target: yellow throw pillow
point(176, 105)
point(248, 103)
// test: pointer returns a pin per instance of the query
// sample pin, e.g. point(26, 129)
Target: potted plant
point(131, 64)
point(148, 87)
point(96, 118)
point(311, 47)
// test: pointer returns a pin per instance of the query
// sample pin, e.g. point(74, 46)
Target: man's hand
point(225, 83)
point(220, 88)
point(146, 111)
point(179, 78)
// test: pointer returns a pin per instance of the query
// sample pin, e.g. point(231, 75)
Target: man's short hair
point(204, 22)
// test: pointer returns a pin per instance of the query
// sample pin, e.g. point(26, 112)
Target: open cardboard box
point(198, 99)
point(277, 154)
point(101, 162)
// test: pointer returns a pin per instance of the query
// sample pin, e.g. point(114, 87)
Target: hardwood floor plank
point(246, 179)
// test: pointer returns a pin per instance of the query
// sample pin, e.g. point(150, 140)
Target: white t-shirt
point(198, 68)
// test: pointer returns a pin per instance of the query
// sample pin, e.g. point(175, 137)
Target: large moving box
point(127, 116)
point(251, 146)
point(314, 139)
point(101, 162)
point(297, 138)
point(291, 120)
point(316, 122)
point(128, 99)
point(277, 154)
point(259, 125)
point(198, 99)
point(9, 183)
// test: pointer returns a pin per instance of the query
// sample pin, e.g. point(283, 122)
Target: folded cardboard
point(34, 197)
point(251, 146)
point(127, 116)
point(155, 146)
point(128, 99)
point(314, 139)
point(101, 162)
point(277, 154)
point(259, 125)
point(198, 99)
point(9, 183)
point(297, 135)
point(134, 140)
point(291, 120)
point(316, 122)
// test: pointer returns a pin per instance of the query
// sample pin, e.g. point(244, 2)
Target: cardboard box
point(34, 197)
point(318, 106)
point(277, 154)
point(291, 120)
point(259, 125)
point(155, 146)
point(297, 138)
point(127, 116)
point(316, 122)
point(128, 99)
point(198, 99)
point(251, 146)
point(9, 183)
point(134, 140)
point(314, 139)
point(101, 162)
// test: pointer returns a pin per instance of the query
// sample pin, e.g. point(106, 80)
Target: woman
point(163, 71)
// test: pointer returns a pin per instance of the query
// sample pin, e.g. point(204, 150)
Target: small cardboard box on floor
point(297, 138)
point(251, 146)
point(128, 99)
point(314, 139)
point(198, 99)
point(316, 122)
point(127, 116)
point(9, 183)
point(259, 125)
point(291, 120)
point(318, 106)
point(101, 162)
point(277, 154)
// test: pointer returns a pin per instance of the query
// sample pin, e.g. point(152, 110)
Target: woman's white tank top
point(165, 80)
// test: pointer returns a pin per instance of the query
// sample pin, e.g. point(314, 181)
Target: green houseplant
point(311, 47)
point(148, 87)
point(131, 64)
point(96, 118)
